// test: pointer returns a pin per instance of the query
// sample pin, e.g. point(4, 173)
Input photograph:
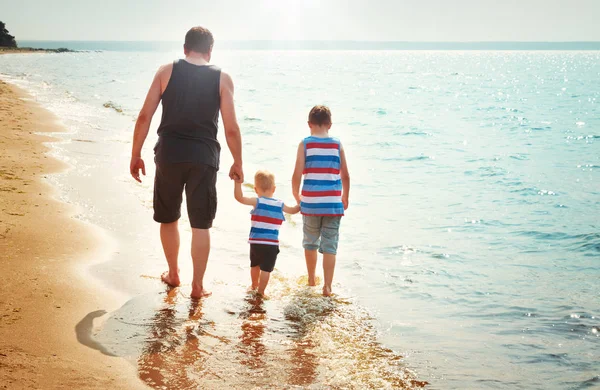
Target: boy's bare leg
point(328, 269)
point(200, 252)
point(254, 275)
point(264, 280)
point(311, 266)
point(169, 236)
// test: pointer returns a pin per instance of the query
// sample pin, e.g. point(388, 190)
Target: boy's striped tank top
point(322, 187)
point(267, 218)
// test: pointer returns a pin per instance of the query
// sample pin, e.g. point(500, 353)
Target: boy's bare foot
point(312, 282)
point(171, 280)
point(199, 292)
point(327, 291)
point(252, 288)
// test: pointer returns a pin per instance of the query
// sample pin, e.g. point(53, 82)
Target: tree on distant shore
point(6, 40)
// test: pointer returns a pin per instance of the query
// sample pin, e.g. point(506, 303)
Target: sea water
point(469, 256)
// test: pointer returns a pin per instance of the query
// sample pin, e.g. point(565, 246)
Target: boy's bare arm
point(239, 195)
point(291, 210)
point(297, 176)
point(345, 174)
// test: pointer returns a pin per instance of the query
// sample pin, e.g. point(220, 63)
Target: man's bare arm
point(142, 125)
point(232, 129)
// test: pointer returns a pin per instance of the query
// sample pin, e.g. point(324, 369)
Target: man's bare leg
point(311, 265)
point(169, 236)
point(328, 268)
point(200, 252)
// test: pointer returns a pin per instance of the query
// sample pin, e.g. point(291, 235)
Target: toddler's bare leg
point(264, 280)
point(328, 269)
point(311, 265)
point(254, 275)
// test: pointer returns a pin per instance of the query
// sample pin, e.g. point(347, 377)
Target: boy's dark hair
point(199, 39)
point(320, 115)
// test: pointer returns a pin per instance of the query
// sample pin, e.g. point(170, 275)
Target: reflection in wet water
point(253, 329)
point(296, 339)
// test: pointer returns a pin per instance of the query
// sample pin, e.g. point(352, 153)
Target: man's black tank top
point(190, 116)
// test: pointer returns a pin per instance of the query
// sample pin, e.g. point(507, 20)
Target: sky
point(358, 20)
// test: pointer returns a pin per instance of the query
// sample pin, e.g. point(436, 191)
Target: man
point(187, 151)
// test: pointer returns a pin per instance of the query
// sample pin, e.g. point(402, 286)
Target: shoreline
point(25, 50)
point(42, 250)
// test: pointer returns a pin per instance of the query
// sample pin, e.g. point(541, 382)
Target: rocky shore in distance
point(8, 44)
point(6, 50)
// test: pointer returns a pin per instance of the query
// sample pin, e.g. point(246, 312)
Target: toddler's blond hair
point(264, 180)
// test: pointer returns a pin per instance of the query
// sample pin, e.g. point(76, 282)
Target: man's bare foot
point(199, 292)
point(171, 280)
point(327, 291)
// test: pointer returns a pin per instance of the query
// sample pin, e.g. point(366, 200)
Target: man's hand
point(134, 168)
point(236, 173)
point(345, 202)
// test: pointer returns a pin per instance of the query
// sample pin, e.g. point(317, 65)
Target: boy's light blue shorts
point(321, 233)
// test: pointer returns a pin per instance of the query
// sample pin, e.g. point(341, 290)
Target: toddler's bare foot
point(199, 292)
point(327, 291)
point(262, 295)
point(170, 279)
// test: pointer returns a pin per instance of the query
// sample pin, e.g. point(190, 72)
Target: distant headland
point(8, 44)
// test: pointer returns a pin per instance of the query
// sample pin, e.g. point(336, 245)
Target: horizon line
point(297, 41)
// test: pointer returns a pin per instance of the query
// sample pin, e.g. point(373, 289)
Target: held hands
point(135, 166)
point(236, 172)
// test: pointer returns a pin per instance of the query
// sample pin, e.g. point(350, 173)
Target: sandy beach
point(42, 296)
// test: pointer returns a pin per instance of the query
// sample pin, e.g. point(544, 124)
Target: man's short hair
point(199, 39)
point(264, 180)
point(320, 115)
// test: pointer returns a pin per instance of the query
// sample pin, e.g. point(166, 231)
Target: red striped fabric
point(273, 221)
point(320, 145)
point(322, 170)
point(323, 215)
point(321, 193)
point(262, 239)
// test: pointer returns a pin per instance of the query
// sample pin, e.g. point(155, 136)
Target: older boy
point(325, 192)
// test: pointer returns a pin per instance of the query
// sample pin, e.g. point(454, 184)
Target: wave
point(587, 242)
point(113, 106)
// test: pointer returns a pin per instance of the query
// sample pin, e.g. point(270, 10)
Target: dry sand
point(42, 293)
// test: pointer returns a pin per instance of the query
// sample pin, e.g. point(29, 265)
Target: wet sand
point(43, 294)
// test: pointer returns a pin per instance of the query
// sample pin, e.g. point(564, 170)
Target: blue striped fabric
point(328, 183)
point(322, 186)
point(314, 160)
point(267, 218)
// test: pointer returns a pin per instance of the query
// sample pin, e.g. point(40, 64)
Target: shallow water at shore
point(296, 338)
point(471, 245)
